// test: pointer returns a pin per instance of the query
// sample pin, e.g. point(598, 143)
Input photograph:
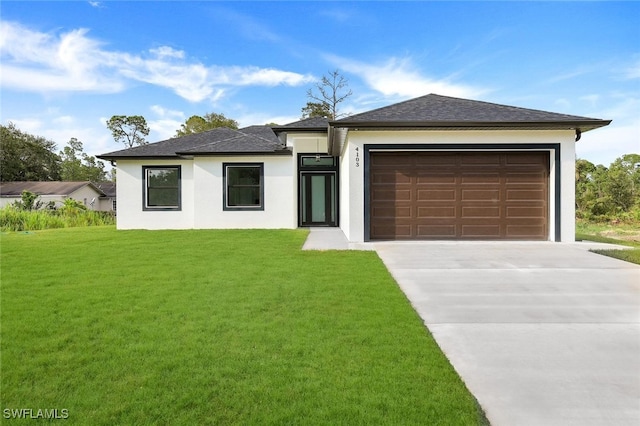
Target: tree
point(26, 157)
point(129, 130)
point(331, 94)
point(76, 165)
point(623, 183)
point(212, 120)
point(316, 109)
point(608, 193)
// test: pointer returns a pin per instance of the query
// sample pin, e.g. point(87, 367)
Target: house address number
point(357, 157)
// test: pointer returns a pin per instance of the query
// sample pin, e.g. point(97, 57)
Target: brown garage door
point(459, 195)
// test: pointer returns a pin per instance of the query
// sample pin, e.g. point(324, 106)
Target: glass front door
point(318, 199)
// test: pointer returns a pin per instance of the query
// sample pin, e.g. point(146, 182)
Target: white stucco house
point(433, 167)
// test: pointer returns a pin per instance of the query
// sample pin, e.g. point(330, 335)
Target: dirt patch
point(622, 234)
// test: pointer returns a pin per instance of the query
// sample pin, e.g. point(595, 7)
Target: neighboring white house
point(107, 201)
point(433, 167)
point(87, 193)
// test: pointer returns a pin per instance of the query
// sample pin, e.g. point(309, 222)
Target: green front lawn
point(625, 234)
point(215, 327)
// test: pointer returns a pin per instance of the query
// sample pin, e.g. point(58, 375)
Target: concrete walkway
point(541, 333)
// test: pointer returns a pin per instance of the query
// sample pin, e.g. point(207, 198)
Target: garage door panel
point(524, 158)
point(532, 212)
point(524, 194)
point(479, 159)
point(435, 212)
point(529, 178)
point(480, 231)
point(392, 230)
point(393, 212)
point(480, 195)
point(391, 195)
point(479, 178)
point(436, 195)
point(435, 231)
point(438, 160)
point(524, 231)
point(480, 212)
point(392, 177)
point(491, 195)
point(443, 178)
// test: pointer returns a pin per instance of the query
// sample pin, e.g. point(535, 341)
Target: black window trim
point(225, 186)
point(145, 206)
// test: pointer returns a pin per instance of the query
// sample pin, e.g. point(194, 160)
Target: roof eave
point(107, 157)
point(583, 125)
point(300, 129)
point(236, 153)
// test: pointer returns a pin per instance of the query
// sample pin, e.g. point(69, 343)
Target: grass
point(215, 327)
point(20, 220)
point(625, 234)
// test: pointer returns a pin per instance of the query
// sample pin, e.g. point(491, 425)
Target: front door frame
point(318, 164)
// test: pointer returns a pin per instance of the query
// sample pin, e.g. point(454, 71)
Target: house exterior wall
point(84, 196)
point(106, 204)
point(353, 184)
point(279, 194)
point(202, 195)
point(45, 199)
point(129, 192)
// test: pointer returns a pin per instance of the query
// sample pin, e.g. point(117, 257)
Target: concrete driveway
point(542, 333)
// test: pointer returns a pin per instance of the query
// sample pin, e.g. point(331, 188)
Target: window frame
point(225, 187)
point(145, 188)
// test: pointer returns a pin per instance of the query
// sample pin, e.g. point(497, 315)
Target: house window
point(161, 188)
point(243, 186)
point(113, 205)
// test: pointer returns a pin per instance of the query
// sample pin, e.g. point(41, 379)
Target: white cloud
point(72, 61)
point(261, 118)
point(622, 136)
point(165, 125)
point(633, 71)
point(43, 62)
point(591, 100)
point(603, 146)
point(28, 125)
point(163, 112)
point(399, 77)
point(57, 128)
point(63, 120)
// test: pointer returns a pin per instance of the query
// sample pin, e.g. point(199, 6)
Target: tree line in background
point(26, 157)
point(609, 193)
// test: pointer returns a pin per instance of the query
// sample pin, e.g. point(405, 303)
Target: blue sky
point(67, 67)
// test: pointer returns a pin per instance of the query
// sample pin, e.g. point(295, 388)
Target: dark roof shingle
point(436, 110)
point(222, 140)
point(312, 123)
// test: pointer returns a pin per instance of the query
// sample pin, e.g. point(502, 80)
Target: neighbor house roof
point(436, 111)
point(14, 189)
point(219, 141)
point(108, 188)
